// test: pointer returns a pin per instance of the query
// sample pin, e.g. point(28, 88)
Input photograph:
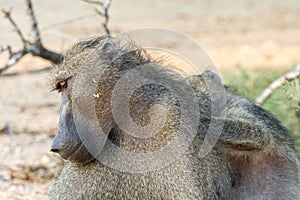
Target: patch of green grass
point(283, 103)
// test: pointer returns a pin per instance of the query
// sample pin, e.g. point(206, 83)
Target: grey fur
point(254, 158)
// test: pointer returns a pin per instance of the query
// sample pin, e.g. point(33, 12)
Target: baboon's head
point(115, 59)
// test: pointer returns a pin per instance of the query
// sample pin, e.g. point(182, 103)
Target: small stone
point(5, 175)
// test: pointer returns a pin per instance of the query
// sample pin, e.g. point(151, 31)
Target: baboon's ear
point(117, 61)
point(108, 47)
point(209, 75)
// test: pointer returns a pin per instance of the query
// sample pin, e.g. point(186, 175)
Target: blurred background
point(251, 42)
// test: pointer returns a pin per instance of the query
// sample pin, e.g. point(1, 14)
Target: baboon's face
point(69, 79)
point(67, 142)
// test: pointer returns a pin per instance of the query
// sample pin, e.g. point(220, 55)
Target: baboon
point(253, 158)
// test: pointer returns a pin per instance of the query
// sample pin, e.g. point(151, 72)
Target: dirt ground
point(244, 33)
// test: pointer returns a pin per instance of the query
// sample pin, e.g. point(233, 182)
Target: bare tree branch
point(93, 2)
point(68, 21)
point(7, 14)
point(278, 83)
point(34, 47)
point(103, 12)
point(14, 57)
point(35, 33)
point(106, 16)
point(34, 71)
point(5, 48)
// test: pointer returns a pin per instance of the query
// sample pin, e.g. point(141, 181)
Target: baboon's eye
point(61, 86)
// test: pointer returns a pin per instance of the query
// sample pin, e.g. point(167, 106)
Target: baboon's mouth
point(73, 152)
point(80, 154)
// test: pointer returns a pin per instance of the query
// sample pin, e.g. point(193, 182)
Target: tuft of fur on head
point(114, 52)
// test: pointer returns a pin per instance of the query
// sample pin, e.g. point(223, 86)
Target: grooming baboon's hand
point(244, 136)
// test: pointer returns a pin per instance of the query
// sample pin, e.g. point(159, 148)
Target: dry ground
point(245, 33)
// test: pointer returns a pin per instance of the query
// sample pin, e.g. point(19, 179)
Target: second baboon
point(254, 157)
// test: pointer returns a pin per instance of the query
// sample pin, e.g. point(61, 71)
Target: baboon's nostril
point(54, 150)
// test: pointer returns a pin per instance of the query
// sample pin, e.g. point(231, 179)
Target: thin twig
point(278, 83)
point(93, 2)
point(14, 57)
point(35, 71)
point(106, 16)
point(6, 48)
point(103, 12)
point(68, 21)
point(34, 24)
point(7, 14)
